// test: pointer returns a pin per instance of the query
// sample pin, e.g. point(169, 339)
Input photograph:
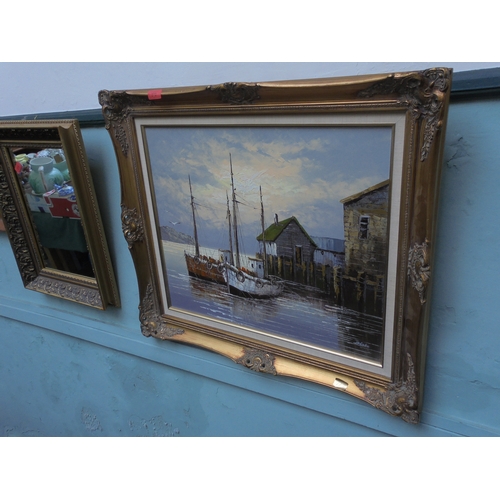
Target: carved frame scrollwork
point(399, 399)
point(415, 104)
point(152, 323)
point(115, 109)
point(15, 231)
point(132, 226)
point(258, 361)
point(236, 93)
point(419, 269)
point(424, 93)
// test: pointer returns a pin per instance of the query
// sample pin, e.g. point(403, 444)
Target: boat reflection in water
point(300, 313)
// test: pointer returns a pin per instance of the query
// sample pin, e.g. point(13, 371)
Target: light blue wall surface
point(69, 370)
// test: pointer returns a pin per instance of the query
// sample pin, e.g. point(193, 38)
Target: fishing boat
point(252, 280)
point(199, 265)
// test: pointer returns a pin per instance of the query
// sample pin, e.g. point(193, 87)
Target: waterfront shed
point(287, 239)
point(365, 232)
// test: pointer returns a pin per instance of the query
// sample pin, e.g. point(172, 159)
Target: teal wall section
point(69, 370)
point(463, 360)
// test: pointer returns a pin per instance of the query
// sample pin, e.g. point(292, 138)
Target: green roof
point(276, 228)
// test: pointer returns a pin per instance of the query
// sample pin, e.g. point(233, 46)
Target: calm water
point(301, 313)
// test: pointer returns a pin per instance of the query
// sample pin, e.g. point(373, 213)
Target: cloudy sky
point(303, 171)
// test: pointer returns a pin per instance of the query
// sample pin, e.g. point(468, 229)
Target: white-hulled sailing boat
point(253, 282)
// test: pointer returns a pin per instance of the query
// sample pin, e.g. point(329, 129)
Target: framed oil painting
point(50, 212)
point(289, 225)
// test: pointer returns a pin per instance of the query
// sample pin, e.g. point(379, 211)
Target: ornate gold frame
point(98, 291)
point(415, 104)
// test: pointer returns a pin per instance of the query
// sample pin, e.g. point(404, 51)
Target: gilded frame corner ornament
point(45, 268)
point(398, 399)
point(115, 108)
point(414, 104)
point(425, 95)
point(152, 323)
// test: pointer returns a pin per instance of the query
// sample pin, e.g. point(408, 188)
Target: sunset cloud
point(303, 171)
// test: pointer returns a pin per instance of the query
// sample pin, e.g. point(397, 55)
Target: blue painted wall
point(68, 370)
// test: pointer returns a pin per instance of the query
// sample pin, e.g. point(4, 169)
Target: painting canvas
point(282, 230)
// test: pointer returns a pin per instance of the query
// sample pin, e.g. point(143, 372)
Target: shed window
point(364, 222)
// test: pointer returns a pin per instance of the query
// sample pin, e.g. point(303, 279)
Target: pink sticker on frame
point(154, 94)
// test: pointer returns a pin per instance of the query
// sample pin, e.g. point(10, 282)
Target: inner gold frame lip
point(305, 118)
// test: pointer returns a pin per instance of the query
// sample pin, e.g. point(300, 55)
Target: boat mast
point(263, 229)
point(235, 222)
point(230, 232)
point(196, 244)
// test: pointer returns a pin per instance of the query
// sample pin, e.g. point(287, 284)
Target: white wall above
point(37, 87)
